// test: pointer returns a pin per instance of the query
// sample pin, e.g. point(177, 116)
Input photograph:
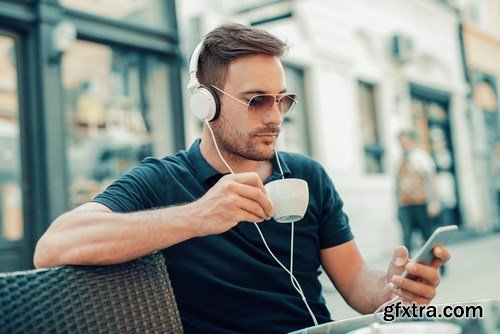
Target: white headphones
point(204, 101)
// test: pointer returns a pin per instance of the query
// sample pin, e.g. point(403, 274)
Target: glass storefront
point(149, 13)
point(116, 109)
point(11, 202)
point(75, 115)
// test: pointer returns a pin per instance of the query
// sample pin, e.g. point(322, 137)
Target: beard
point(245, 145)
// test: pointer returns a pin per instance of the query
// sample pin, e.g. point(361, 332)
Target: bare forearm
point(369, 291)
point(92, 234)
point(93, 237)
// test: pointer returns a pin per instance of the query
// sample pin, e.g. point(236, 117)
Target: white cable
point(217, 147)
point(293, 225)
point(292, 277)
point(299, 290)
point(279, 164)
point(294, 281)
point(291, 257)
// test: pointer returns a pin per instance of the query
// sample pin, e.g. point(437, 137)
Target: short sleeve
point(138, 190)
point(334, 226)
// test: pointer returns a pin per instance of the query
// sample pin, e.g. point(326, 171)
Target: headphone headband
point(204, 101)
point(193, 68)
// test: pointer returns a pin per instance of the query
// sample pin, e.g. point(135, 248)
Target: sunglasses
point(258, 105)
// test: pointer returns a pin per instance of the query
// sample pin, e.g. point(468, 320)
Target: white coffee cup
point(290, 198)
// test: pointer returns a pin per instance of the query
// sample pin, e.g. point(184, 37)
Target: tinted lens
point(262, 103)
point(286, 104)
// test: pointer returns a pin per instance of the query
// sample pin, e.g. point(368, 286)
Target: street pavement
point(473, 273)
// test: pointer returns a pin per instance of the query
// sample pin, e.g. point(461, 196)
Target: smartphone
point(440, 237)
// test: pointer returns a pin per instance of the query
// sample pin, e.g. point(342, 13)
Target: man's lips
point(267, 138)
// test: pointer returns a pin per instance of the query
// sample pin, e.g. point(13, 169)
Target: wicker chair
point(133, 297)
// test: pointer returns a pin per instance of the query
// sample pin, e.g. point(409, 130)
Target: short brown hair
point(229, 42)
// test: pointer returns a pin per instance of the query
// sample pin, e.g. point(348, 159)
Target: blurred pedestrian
point(417, 198)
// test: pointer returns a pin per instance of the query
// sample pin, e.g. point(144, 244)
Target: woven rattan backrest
point(133, 297)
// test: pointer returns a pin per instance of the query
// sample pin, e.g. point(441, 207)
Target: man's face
point(238, 132)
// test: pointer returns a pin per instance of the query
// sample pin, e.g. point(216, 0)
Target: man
point(189, 207)
point(417, 199)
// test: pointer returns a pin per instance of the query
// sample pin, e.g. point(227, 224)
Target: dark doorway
point(431, 122)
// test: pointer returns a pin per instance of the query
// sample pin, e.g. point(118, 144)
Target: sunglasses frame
point(277, 99)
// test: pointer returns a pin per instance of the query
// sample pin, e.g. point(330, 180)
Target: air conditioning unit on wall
point(401, 48)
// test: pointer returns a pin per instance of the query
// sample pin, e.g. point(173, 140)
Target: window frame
point(379, 147)
point(303, 100)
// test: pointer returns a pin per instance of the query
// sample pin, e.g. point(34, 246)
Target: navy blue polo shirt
point(229, 283)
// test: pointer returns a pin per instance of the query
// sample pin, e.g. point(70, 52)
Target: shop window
point(116, 109)
point(149, 13)
point(11, 217)
point(370, 129)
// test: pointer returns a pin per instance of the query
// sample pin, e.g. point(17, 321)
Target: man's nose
point(273, 115)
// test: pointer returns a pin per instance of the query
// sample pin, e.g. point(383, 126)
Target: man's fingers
point(249, 178)
point(436, 263)
point(256, 195)
point(409, 296)
point(427, 273)
point(442, 253)
point(400, 256)
point(441, 256)
point(252, 207)
point(419, 289)
point(398, 262)
point(250, 217)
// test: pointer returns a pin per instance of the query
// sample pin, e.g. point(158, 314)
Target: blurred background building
point(481, 36)
point(89, 88)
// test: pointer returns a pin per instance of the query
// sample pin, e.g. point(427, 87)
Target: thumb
point(398, 261)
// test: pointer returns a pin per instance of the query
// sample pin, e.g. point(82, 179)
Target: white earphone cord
point(293, 280)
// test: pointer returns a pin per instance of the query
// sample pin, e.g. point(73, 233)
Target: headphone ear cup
point(204, 104)
point(215, 96)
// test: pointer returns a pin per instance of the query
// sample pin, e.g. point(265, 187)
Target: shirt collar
point(204, 171)
point(202, 168)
